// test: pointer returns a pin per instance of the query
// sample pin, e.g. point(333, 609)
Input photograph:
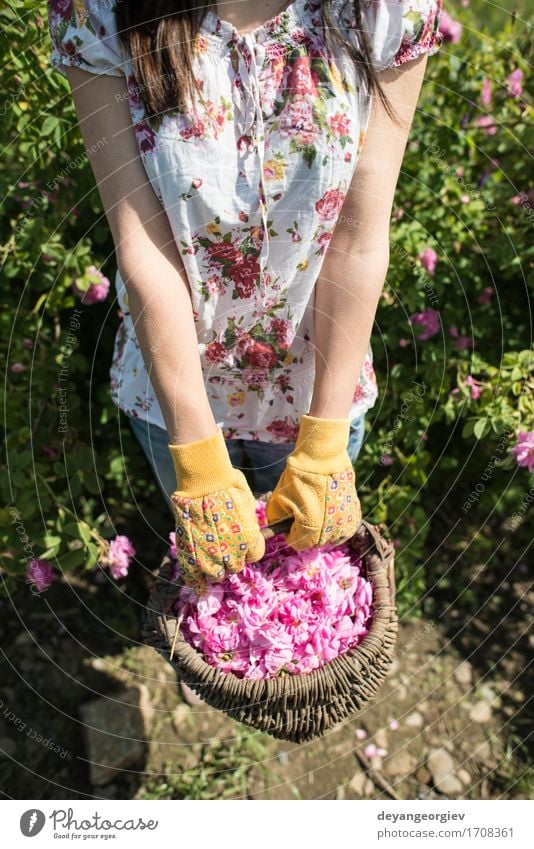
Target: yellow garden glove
point(216, 526)
point(317, 487)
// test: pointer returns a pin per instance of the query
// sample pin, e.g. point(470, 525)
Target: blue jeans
point(262, 463)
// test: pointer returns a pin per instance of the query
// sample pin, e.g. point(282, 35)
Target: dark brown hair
point(159, 36)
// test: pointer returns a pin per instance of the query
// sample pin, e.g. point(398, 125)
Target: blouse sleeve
point(398, 30)
point(84, 35)
point(402, 30)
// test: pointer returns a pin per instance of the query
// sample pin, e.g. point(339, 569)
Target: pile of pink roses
point(290, 613)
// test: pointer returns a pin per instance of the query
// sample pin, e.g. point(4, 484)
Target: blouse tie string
point(249, 122)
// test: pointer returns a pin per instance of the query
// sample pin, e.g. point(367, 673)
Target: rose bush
point(451, 344)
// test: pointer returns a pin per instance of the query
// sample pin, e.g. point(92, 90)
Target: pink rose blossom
point(291, 612)
point(118, 556)
point(475, 386)
point(485, 97)
point(40, 573)
point(461, 342)
point(514, 81)
point(486, 295)
point(523, 450)
point(487, 124)
point(450, 30)
point(428, 319)
point(361, 733)
point(93, 288)
point(374, 751)
point(17, 368)
point(429, 260)
point(394, 724)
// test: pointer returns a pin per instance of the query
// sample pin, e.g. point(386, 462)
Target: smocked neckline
point(219, 28)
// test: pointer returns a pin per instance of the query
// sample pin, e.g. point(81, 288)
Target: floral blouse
point(253, 182)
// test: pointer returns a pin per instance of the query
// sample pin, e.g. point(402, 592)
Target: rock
point(464, 673)
point(480, 712)
point(368, 788)
point(423, 775)
point(482, 751)
point(180, 715)
point(487, 693)
point(357, 783)
point(464, 777)
point(400, 764)
point(116, 730)
point(414, 720)
point(381, 738)
point(441, 767)
point(8, 747)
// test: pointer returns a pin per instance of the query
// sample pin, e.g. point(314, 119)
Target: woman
point(251, 251)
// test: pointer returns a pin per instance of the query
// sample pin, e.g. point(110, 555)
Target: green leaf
point(72, 559)
point(49, 125)
point(481, 428)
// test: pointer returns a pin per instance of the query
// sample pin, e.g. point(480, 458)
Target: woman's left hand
point(317, 487)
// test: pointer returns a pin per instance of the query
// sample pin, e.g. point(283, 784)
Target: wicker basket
point(289, 707)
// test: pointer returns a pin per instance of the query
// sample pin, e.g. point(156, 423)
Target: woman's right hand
point(217, 530)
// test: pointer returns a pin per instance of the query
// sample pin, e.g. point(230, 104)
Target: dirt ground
point(450, 721)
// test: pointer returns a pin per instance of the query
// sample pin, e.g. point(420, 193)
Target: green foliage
point(463, 192)
point(62, 498)
point(223, 771)
point(466, 194)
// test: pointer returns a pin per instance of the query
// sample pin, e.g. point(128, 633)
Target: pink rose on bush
point(487, 124)
point(523, 450)
point(485, 97)
point(450, 29)
point(514, 81)
point(486, 295)
point(118, 556)
point(475, 386)
point(429, 320)
point(429, 260)
point(461, 342)
point(40, 573)
point(92, 288)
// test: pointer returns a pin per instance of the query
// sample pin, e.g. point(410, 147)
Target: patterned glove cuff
point(202, 466)
point(321, 445)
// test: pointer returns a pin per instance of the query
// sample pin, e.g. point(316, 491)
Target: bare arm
point(357, 259)
point(147, 256)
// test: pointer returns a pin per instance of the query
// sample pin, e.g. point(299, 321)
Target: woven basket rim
point(384, 610)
